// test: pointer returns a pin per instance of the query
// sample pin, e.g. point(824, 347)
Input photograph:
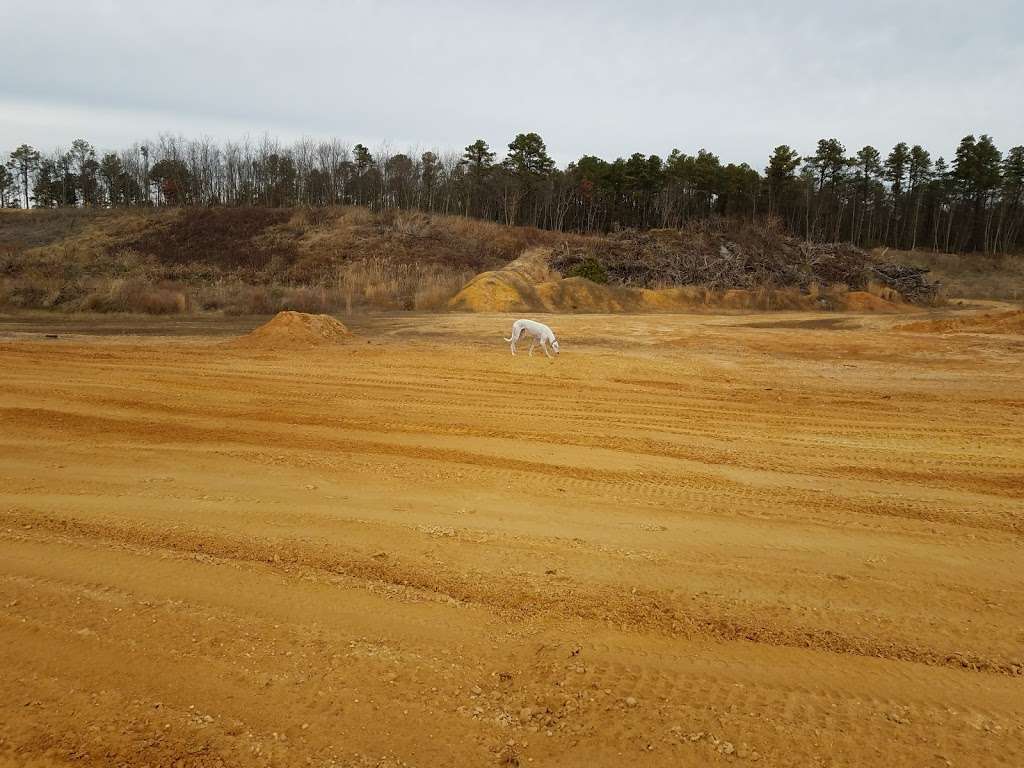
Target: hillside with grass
point(343, 259)
point(246, 260)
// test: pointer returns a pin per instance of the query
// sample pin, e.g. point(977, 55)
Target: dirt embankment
point(262, 260)
point(530, 284)
point(986, 322)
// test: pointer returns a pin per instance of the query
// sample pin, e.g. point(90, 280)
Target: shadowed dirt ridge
point(691, 541)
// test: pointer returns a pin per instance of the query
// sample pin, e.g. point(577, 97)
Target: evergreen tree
point(896, 168)
point(976, 169)
point(829, 162)
point(8, 188)
point(780, 175)
point(172, 178)
point(528, 156)
point(867, 171)
point(479, 160)
point(112, 172)
point(84, 166)
point(528, 164)
point(24, 160)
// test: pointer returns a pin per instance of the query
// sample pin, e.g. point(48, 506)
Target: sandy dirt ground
point(780, 540)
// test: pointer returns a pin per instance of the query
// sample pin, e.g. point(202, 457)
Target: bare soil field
point(780, 539)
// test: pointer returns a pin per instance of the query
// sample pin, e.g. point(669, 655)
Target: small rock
point(630, 701)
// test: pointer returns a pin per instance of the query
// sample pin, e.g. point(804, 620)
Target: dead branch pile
point(909, 281)
point(742, 259)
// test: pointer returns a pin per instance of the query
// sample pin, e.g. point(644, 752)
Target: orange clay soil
point(1008, 321)
point(290, 330)
point(779, 540)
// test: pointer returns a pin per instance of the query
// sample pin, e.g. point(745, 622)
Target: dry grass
point(970, 275)
point(246, 261)
point(258, 261)
point(137, 296)
point(388, 284)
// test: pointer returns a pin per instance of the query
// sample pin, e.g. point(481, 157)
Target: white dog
point(538, 333)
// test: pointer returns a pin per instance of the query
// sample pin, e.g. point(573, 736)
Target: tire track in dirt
point(641, 611)
point(782, 546)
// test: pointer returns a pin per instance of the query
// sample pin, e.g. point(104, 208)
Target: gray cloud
point(599, 77)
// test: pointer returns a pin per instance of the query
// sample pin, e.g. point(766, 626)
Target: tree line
point(905, 199)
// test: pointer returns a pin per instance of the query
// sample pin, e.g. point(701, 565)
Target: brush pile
point(909, 281)
point(740, 258)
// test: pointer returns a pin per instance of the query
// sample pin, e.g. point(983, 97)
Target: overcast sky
point(604, 78)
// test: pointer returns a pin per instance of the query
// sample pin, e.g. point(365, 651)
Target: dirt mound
point(507, 291)
point(862, 301)
point(295, 330)
point(988, 322)
point(529, 285)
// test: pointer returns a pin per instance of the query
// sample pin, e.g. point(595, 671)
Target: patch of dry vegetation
point(247, 260)
point(969, 275)
point(342, 259)
point(733, 254)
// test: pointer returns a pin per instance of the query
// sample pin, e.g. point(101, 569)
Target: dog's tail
point(508, 339)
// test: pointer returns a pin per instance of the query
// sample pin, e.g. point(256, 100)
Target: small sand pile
point(987, 322)
point(295, 330)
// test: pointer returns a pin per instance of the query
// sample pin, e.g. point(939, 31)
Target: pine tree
point(528, 163)
point(896, 168)
point(919, 170)
point(8, 188)
point(780, 175)
point(24, 160)
point(896, 174)
point(113, 175)
point(83, 157)
point(479, 159)
point(867, 165)
point(976, 169)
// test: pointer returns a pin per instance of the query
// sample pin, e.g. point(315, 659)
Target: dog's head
point(554, 345)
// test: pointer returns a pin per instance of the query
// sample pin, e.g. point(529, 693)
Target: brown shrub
point(311, 300)
point(225, 237)
point(135, 295)
point(969, 275)
point(243, 299)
